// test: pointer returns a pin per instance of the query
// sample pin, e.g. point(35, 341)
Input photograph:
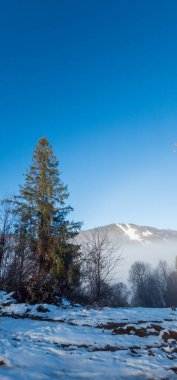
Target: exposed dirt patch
point(116, 325)
point(174, 369)
point(171, 334)
point(122, 331)
point(33, 317)
point(112, 325)
point(72, 346)
point(107, 348)
point(42, 309)
point(141, 332)
point(157, 327)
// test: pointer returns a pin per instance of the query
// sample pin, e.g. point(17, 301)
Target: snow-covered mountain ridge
point(143, 243)
point(137, 233)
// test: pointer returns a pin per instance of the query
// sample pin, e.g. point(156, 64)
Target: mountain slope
point(138, 243)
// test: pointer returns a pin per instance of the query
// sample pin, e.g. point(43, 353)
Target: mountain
point(143, 243)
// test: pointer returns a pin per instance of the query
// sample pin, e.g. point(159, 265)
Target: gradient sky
point(99, 80)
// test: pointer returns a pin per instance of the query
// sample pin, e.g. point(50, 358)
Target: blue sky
point(99, 80)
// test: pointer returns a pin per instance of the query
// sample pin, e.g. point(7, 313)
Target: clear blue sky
point(99, 80)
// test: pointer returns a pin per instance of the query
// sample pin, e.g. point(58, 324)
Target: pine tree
point(43, 214)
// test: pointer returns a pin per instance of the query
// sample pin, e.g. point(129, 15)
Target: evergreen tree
point(42, 215)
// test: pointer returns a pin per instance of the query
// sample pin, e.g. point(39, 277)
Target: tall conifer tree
point(43, 214)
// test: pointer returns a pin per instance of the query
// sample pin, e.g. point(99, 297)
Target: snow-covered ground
point(74, 342)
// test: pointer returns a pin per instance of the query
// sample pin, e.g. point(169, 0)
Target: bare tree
point(99, 260)
point(162, 272)
point(172, 289)
point(6, 241)
point(139, 276)
point(16, 264)
point(153, 287)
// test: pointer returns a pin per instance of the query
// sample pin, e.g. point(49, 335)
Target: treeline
point(42, 259)
point(153, 287)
